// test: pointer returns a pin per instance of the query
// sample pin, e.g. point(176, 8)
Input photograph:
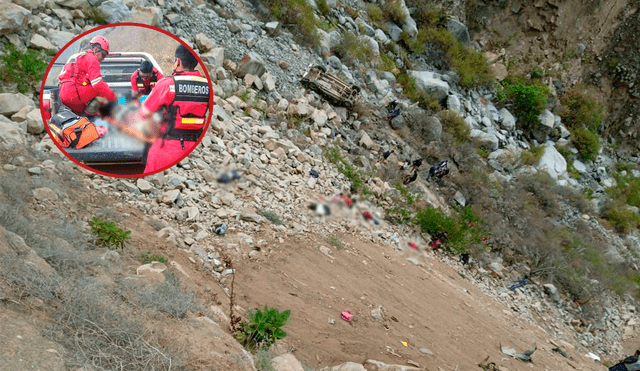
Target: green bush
point(148, 257)
point(262, 328)
point(425, 100)
point(323, 7)
point(427, 14)
point(532, 157)
point(108, 234)
point(25, 69)
point(271, 216)
point(529, 99)
point(357, 178)
point(299, 16)
point(454, 124)
point(351, 48)
point(586, 142)
point(580, 109)
point(457, 232)
point(393, 12)
point(375, 13)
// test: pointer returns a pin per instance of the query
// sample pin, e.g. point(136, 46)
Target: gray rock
point(485, 140)
point(371, 44)
point(349, 366)
point(459, 29)
point(12, 103)
point(144, 186)
point(35, 125)
point(13, 17)
point(427, 82)
point(386, 75)
point(214, 57)
point(170, 197)
point(334, 62)
point(286, 362)
point(116, 11)
point(60, 38)
point(272, 27)
point(547, 119)
point(397, 122)
point(432, 129)
point(371, 364)
point(44, 194)
point(459, 198)
point(268, 82)
point(579, 166)
point(395, 32)
point(40, 43)
point(365, 140)
point(508, 122)
point(377, 313)
point(552, 291)
point(552, 162)
point(253, 64)
point(73, 4)
point(381, 36)
point(453, 103)
point(203, 42)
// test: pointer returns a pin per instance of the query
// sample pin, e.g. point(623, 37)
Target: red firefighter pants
point(77, 100)
point(161, 156)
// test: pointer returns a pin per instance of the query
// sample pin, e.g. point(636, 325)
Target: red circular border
point(131, 24)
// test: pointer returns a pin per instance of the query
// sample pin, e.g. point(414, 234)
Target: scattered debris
point(559, 350)
point(220, 229)
point(314, 173)
point(524, 356)
point(594, 357)
point(521, 282)
point(347, 316)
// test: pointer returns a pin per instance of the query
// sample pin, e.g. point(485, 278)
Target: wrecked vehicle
point(332, 88)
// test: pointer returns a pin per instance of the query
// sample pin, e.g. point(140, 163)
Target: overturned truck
point(336, 91)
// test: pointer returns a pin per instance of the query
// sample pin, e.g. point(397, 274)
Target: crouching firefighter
point(145, 79)
point(81, 86)
point(185, 99)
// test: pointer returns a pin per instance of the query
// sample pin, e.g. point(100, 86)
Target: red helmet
point(104, 44)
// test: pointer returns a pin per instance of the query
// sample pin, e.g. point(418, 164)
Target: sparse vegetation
point(271, 216)
point(108, 234)
point(149, 257)
point(298, 15)
point(24, 69)
point(323, 7)
point(335, 242)
point(170, 298)
point(425, 100)
point(458, 232)
point(532, 157)
point(352, 48)
point(454, 124)
point(586, 142)
point(262, 328)
point(332, 153)
point(95, 14)
point(529, 99)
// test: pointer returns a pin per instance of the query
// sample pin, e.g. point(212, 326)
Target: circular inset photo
point(126, 100)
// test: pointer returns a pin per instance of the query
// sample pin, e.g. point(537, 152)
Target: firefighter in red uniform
point(185, 99)
point(81, 86)
point(144, 79)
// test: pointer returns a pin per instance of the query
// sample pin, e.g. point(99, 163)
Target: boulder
point(272, 27)
point(349, 366)
point(12, 103)
point(429, 83)
point(365, 140)
point(22, 114)
point(40, 43)
point(154, 272)
point(552, 161)
point(507, 122)
point(251, 63)
point(547, 119)
point(146, 15)
point(35, 125)
point(453, 103)
point(214, 57)
point(395, 32)
point(459, 30)
point(73, 4)
point(579, 166)
point(268, 82)
point(485, 140)
point(203, 42)
point(499, 71)
point(13, 18)
point(286, 362)
point(60, 38)
point(116, 11)
point(408, 24)
point(373, 365)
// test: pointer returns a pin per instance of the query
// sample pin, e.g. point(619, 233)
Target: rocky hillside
point(168, 299)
